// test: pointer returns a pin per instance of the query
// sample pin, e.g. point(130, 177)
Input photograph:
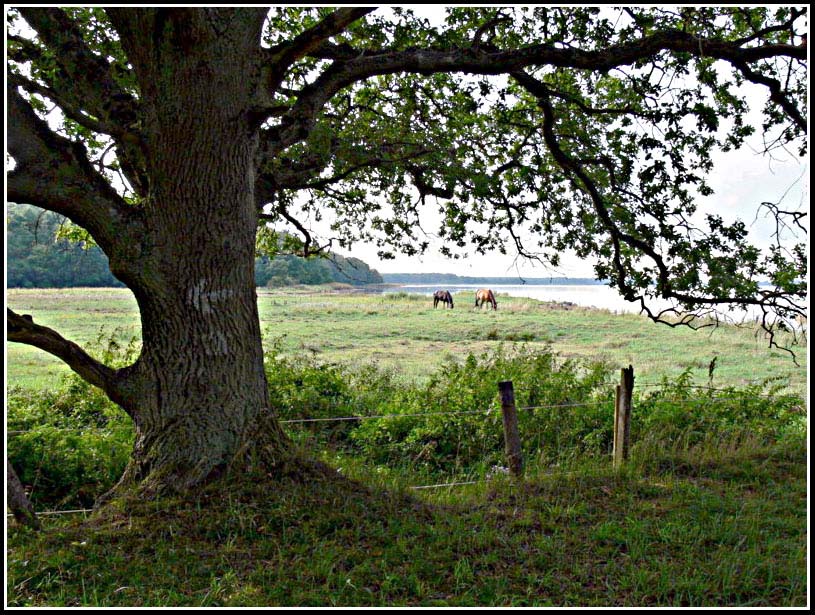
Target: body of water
point(585, 295)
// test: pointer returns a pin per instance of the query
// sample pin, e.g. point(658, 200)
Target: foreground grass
point(406, 333)
point(691, 528)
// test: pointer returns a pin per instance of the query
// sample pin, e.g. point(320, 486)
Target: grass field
point(695, 518)
point(721, 530)
point(405, 332)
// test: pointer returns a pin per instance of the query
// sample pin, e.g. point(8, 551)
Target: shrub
point(454, 421)
point(69, 468)
point(301, 387)
point(76, 442)
point(681, 412)
point(73, 442)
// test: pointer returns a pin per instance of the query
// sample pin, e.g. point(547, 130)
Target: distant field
point(405, 333)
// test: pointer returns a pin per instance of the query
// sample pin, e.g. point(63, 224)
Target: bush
point(462, 427)
point(301, 387)
point(74, 442)
point(62, 468)
point(681, 412)
point(453, 421)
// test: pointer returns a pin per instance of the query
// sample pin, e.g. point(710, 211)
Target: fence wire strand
point(46, 513)
point(421, 414)
point(388, 416)
point(365, 417)
point(469, 482)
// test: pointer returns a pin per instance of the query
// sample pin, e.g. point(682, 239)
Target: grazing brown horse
point(485, 295)
point(444, 296)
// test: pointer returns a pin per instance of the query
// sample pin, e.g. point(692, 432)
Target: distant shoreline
point(421, 279)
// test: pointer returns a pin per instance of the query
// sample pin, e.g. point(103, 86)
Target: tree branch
point(68, 107)
point(499, 18)
point(84, 87)
point(84, 73)
point(782, 302)
point(284, 55)
point(279, 58)
point(298, 123)
point(22, 329)
point(782, 27)
point(305, 172)
point(776, 94)
point(22, 49)
point(54, 173)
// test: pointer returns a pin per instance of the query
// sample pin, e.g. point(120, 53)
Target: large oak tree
point(170, 134)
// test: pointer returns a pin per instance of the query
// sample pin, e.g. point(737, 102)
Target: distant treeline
point(451, 278)
point(288, 270)
point(38, 259)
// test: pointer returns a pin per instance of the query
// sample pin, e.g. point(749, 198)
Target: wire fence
point(365, 417)
point(486, 411)
point(48, 513)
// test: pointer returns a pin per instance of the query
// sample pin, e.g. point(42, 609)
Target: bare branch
point(54, 173)
point(89, 76)
point(22, 329)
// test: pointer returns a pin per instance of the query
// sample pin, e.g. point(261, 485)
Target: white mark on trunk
point(204, 301)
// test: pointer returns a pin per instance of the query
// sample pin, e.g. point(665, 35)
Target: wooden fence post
point(512, 439)
point(622, 415)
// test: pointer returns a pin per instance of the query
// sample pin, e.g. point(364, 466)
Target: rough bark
point(198, 392)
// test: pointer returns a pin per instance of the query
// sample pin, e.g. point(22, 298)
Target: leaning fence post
point(512, 439)
point(622, 415)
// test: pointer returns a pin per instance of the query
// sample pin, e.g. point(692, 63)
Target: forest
point(38, 256)
point(44, 252)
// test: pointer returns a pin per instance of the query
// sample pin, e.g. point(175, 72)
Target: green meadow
point(404, 332)
point(702, 532)
point(709, 510)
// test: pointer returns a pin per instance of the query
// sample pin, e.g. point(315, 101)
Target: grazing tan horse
point(444, 296)
point(485, 295)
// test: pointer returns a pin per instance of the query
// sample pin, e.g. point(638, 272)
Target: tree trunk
point(198, 392)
